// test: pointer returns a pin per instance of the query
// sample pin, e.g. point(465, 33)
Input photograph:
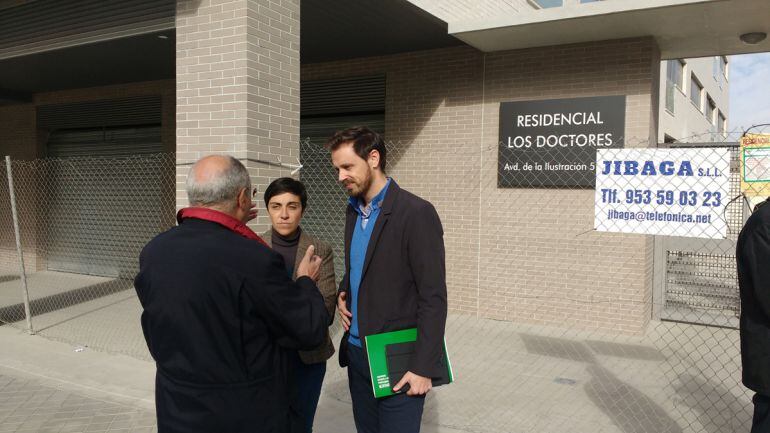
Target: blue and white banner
point(673, 192)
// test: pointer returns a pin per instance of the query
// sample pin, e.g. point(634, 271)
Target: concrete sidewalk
point(510, 378)
point(49, 386)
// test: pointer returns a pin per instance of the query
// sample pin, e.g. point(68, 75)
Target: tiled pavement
point(540, 381)
point(27, 405)
point(512, 378)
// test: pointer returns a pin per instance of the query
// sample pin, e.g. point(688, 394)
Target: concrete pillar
point(237, 81)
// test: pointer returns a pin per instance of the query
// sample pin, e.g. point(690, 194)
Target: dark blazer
point(403, 284)
point(753, 256)
point(220, 316)
point(327, 285)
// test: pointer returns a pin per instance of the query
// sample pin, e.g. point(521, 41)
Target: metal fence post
point(23, 273)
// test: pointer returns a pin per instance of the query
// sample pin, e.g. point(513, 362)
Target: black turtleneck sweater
point(286, 246)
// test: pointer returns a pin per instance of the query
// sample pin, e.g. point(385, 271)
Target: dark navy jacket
point(403, 282)
point(753, 256)
point(220, 317)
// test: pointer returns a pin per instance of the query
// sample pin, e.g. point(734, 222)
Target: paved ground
point(101, 313)
point(47, 386)
point(29, 404)
point(75, 376)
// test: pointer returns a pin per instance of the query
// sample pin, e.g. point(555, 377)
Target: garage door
point(107, 191)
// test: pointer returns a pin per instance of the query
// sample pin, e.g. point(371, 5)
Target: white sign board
point(673, 192)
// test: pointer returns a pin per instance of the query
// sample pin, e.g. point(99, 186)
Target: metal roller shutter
point(106, 196)
point(355, 95)
point(143, 110)
point(330, 105)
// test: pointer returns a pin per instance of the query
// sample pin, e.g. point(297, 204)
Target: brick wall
point(517, 254)
point(238, 85)
point(542, 263)
point(18, 134)
point(18, 139)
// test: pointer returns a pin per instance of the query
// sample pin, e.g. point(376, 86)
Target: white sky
point(749, 91)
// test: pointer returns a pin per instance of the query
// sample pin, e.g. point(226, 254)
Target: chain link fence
point(553, 326)
point(83, 222)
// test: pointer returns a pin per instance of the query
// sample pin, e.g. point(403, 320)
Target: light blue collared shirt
point(362, 234)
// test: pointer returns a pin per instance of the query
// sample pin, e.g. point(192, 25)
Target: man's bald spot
point(217, 181)
point(210, 167)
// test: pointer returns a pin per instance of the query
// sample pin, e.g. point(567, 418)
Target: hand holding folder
point(398, 357)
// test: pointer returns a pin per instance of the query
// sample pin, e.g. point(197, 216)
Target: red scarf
point(221, 218)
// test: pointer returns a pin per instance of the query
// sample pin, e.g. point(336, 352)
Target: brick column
point(237, 81)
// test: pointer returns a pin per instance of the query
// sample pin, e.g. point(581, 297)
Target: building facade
point(695, 96)
point(260, 79)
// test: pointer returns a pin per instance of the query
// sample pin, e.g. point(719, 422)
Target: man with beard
point(395, 279)
point(221, 315)
point(753, 256)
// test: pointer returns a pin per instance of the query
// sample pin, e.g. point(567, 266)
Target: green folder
point(393, 349)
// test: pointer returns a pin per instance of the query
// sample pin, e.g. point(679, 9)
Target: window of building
point(670, 100)
point(721, 123)
point(545, 4)
point(675, 72)
point(723, 66)
point(720, 70)
point(696, 92)
point(711, 113)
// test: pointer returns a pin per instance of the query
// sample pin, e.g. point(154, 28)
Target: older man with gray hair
point(221, 314)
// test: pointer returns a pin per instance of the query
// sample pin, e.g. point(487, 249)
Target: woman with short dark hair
point(286, 201)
